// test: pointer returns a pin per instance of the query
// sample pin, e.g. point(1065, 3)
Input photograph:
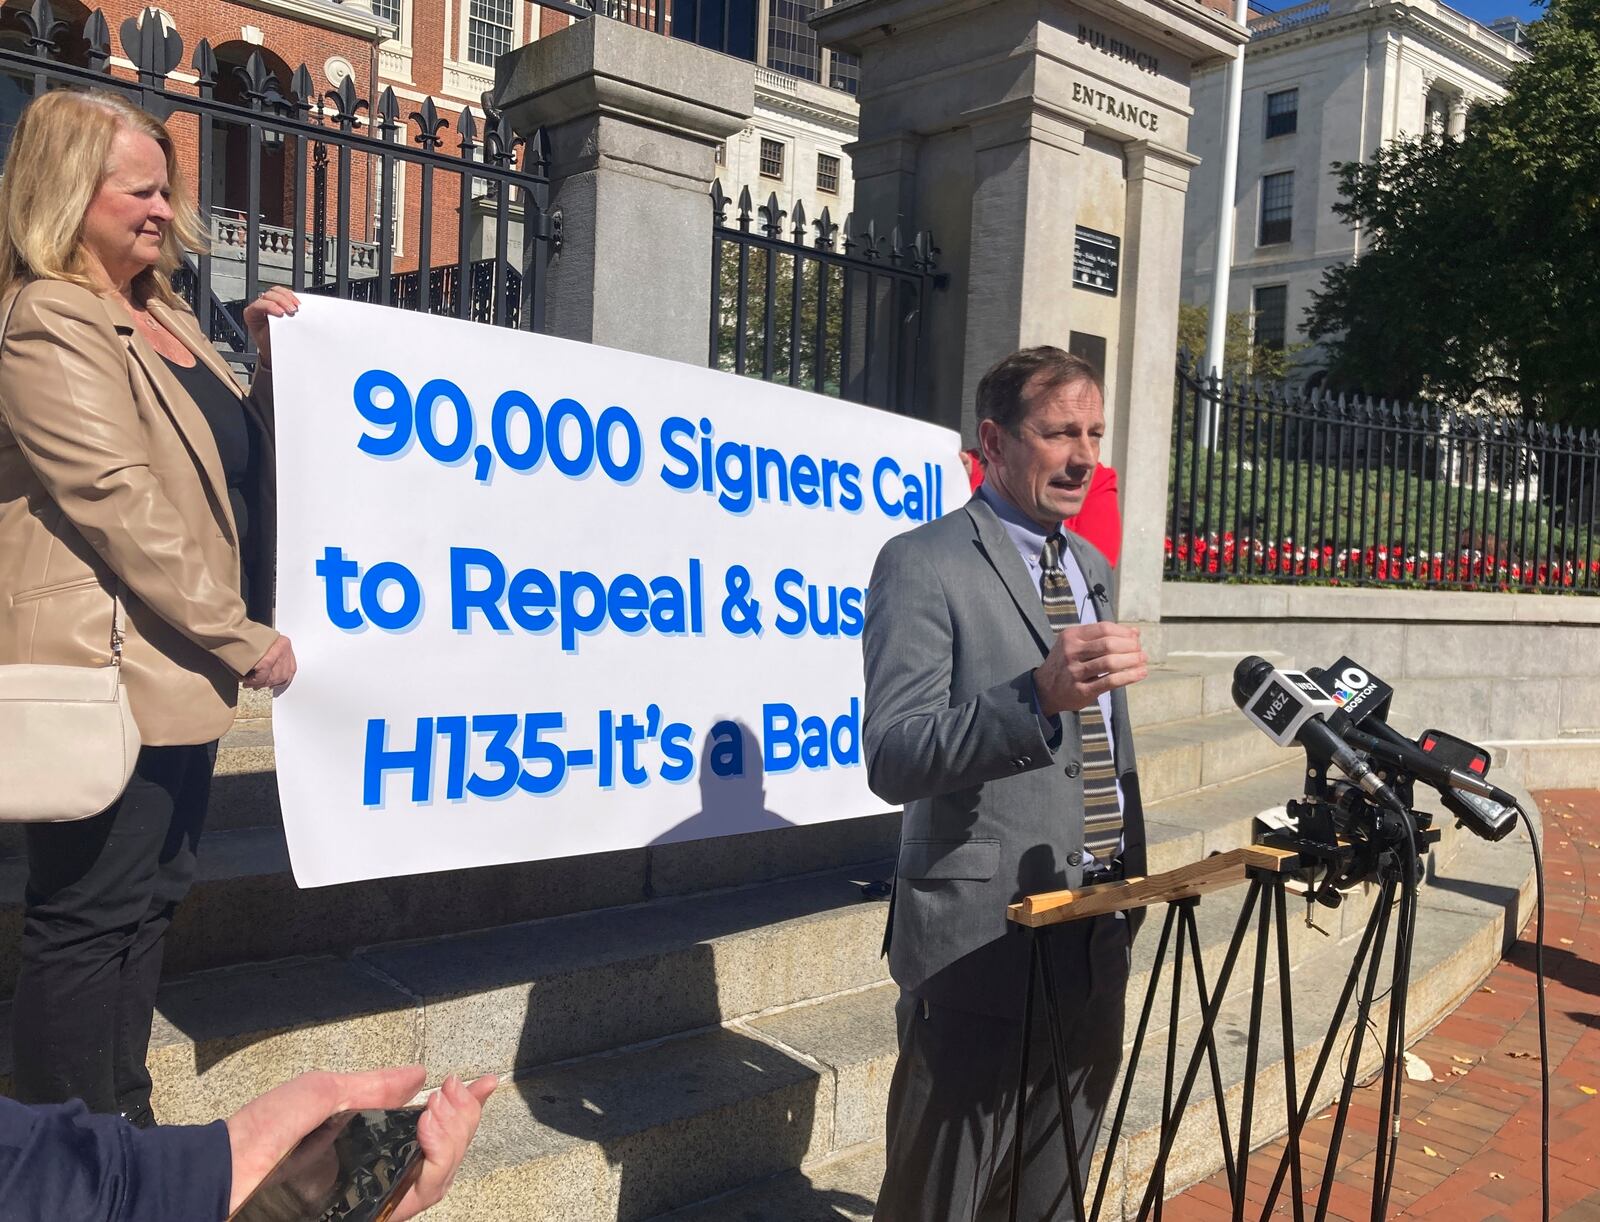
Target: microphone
point(1289, 707)
point(1363, 700)
point(1408, 757)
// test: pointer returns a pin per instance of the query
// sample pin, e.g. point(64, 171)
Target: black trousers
point(101, 894)
point(950, 1125)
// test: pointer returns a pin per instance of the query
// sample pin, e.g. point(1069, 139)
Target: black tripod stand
point(1336, 845)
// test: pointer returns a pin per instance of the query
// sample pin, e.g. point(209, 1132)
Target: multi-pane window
point(827, 173)
point(1277, 208)
point(1272, 315)
point(387, 10)
point(1283, 112)
point(397, 202)
point(844, 71)
point(489, 29)
point(771, 158)
point(791, 42)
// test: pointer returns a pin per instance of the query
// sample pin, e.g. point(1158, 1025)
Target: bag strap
point(119, 625)
point(119, 622)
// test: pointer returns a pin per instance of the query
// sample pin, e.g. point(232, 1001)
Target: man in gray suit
point(995, 714)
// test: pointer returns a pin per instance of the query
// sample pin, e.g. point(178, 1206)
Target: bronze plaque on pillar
point(1091, 348)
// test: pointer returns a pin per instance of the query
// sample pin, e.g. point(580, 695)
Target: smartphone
point(355, 1167)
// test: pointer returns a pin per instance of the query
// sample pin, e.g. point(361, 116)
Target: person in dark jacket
point(63, 1163)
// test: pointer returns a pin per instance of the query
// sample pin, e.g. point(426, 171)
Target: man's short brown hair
point(1002, 392)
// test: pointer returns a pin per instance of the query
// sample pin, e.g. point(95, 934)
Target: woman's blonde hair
point(56, 164)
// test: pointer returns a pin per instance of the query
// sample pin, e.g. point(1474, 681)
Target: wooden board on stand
point(1209, 874)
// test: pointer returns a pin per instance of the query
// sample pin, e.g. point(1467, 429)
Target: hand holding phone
point(303, 1116)
point(355, 1166)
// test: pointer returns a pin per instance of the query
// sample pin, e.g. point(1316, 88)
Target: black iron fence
point(1334, 490)
point(816, 307)
point(315, 187)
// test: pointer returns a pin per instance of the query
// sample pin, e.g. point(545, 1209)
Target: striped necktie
point(1102, 814)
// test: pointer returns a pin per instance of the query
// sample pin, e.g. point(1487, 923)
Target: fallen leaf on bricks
point(1464, 1060)
point(1566, 941)
point(1458, 1071)
point(1522, 1056)
point(1486, 989)
point(1496, 1175)
point(1430, 1151)
point(1588, 1090)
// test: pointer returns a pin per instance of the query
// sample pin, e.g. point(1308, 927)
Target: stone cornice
point(793, 102)
point(1400, 18)
point(346, 18)
point(1187, 26)
point(614, 70)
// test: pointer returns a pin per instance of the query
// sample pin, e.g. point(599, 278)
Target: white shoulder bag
point(68, 740)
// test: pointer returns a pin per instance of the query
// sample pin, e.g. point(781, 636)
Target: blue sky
point(1480, 10)
point(1487, 10)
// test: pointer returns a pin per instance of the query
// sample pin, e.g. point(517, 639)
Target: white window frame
point(783, 160)
point(1261, 207)
point(1255, 313)
point(1266, 111)
point(524, 25)
point(398, 220)
point(838, 172)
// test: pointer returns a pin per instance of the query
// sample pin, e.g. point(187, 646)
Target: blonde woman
point(132, 468)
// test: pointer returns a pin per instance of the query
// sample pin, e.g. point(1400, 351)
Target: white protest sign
point(549, 598)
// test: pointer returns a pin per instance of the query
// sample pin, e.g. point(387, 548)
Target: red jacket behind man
point(1100, 519)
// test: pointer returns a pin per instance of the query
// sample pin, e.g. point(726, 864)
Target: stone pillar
point(633, 121)
point(1141, 428)
point(1456, 124)
point(1025, 194)
point(1044, 145)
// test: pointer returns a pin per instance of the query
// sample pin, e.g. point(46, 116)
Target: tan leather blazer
point(109, 476)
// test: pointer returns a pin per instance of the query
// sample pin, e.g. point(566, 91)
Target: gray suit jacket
point(954, 630)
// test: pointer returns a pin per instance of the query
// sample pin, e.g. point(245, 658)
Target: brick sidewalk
point(1469, 1144)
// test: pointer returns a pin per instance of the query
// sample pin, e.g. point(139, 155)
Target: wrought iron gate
point(314, 178)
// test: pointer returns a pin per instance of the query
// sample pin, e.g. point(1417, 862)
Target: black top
point(234, 433)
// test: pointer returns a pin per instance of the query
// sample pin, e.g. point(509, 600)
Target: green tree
point(1479, 275)
point(1241, 359)
point(817, 279)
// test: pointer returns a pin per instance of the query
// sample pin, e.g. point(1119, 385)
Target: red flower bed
point(1467, 569)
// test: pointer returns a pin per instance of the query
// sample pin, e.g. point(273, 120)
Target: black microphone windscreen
point(1248, 676)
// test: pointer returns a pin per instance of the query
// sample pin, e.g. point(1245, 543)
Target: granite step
point(633, 1134)
point(519, 993)
point(536, 992)
point(840, 1187)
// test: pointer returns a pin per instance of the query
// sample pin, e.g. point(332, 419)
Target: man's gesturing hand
point(1085, 660)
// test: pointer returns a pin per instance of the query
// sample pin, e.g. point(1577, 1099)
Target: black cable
point(1544, 1033)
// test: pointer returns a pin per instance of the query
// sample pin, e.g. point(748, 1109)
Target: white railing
point(230, 231)
point(1284, 19)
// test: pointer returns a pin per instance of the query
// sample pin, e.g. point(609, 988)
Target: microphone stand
point(1343, 840)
